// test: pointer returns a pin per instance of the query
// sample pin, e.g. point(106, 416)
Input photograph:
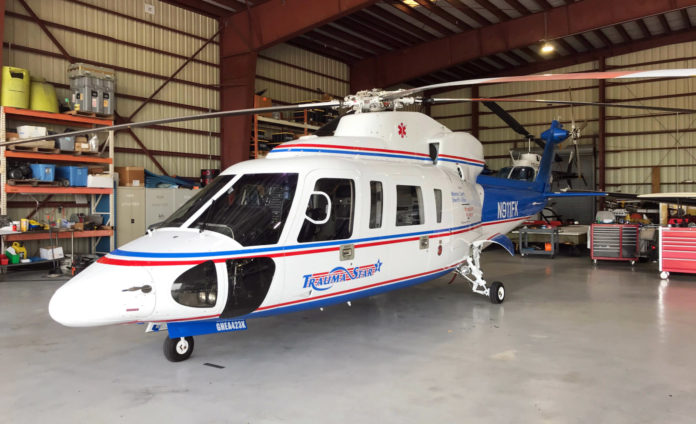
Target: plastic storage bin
point(43, 171)
point(76, 175)
point(16, 85)
point(67, 143)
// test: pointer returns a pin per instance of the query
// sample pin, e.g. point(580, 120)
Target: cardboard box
point(51, 252)
point(96, 170)
point(100, 181)
point(81, 144)
point(130, 176)
point(30, 131)
point(11, 136)
point(79, 226)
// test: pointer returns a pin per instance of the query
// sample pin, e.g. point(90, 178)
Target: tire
point(497, 292)
point(177, 350)
point(664, 275)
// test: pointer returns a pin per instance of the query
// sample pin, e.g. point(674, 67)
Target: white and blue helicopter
point(391, 199)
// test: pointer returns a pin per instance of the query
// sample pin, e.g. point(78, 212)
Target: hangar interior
point(597, 323)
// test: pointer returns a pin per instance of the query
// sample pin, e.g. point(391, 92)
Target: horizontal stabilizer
point(503, 241)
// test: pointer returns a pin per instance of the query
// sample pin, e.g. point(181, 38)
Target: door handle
point(424, 242)
point(347, 252)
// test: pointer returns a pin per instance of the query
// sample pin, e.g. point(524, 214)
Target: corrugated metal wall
point(154, 53)
point(290, 75)
point(635, 140)
point(148, 49)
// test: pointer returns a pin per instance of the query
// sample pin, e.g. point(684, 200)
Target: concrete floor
point(571, 344)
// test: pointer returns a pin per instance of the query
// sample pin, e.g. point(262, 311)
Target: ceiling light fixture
point(411, 3)
point(547, 47)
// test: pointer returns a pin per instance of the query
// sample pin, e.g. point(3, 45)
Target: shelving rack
point(96, 194)
point(277, 123)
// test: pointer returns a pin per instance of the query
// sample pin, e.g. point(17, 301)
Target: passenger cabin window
point(409, 206)
point(339, 222)
point(253, 210)
point(376, 204)
point(438, 204)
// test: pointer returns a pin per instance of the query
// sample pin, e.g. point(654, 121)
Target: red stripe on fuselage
point(134, 262)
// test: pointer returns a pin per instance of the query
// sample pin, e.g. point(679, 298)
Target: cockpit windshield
point(253, 210)
point(178, 218)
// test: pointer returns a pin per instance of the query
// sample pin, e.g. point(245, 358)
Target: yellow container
point(43, 97)
point(20, 250)
point(16, 84)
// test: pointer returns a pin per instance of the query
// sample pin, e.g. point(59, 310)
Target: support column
point(237, 76)
point(475, 112)
point(602, 128)
point(2, 26)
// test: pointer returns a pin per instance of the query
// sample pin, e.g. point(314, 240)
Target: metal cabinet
point(160, 204)
point(614, 242)
point(130, 214)
point(182, 196)
point(677, 250)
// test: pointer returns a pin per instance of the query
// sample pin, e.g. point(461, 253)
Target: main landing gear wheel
point(497, 292)
point(471, 271)
point(177, 350)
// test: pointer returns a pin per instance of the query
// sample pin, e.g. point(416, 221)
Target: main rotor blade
point(562, 102)
point(506, 117)
point(663, 73)
point(210, 115)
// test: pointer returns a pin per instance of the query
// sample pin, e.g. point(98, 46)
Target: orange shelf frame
point(61, 235)
point(59, 158)
point(57, 118)
point(57, 190)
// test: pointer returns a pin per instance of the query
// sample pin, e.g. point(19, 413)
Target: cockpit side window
point(339, 223)
point(522, 173)
point(253, 210)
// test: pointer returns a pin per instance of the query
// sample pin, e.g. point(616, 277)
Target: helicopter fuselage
point(323, 220)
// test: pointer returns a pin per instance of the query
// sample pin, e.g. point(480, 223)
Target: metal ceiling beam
point(420, 17)
point(675, 37)
point(644, 28)
point(386, 19)
point(518, 6)
point(275, 21)
point(443, 14)
point(664, 23)
point(603, 37)
point(496, 11)
point(363, 43)
point(563, 21)
point(685, 18)
point(469, 12)
point(623, 33)
point(582, 40)
point(313, 47)
point(356, 50)
point(372, 32)
point(200, 7)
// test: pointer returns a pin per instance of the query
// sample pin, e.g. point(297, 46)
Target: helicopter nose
point(63, 307)
point(101, 295)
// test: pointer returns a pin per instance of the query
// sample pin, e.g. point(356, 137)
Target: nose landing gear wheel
point(177, 350)
point(497, 292)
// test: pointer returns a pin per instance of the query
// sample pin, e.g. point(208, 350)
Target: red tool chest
point(677, 250)
point(614, 242)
